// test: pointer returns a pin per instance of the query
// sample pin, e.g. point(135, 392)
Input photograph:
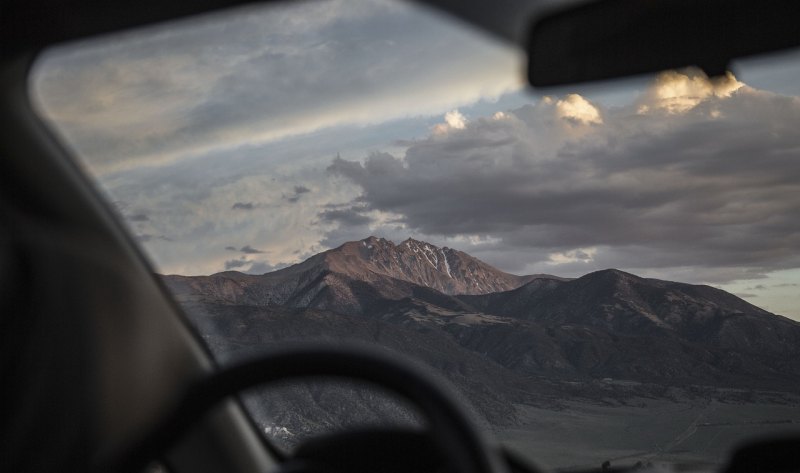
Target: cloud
point(453, 120)
point(230, 248)
point(673, 186)
point(298, 192)
point(347, 217)
point(677, 92)
point(252, 267)
point(260, 267)
point(240, 80)
point(575, 108)
point(236, 263)
point(138, 218)
point(583, 255)
point(243, 206)
point(250, 250)
point(191, 202)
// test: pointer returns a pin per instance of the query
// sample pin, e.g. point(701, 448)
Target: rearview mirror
point(615, 38)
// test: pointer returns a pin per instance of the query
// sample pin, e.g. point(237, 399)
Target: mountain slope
point(347, 278)
point(444, 269)
point(618, 301)
point(545, 338)
point(617, 324)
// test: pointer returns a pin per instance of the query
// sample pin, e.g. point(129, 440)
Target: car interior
point(101, 370)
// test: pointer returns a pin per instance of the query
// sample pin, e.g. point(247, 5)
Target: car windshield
point(607, 275)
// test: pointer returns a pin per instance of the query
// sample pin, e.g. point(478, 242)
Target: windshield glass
point(604, 273)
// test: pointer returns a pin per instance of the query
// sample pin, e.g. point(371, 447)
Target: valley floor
point(583, 436)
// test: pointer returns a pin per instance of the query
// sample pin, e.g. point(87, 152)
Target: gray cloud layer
point(715, 186)
point(235, 80)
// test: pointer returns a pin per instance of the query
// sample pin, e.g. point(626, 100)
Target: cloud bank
point(697, 174)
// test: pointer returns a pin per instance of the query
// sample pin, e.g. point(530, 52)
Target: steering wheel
point(461, 445)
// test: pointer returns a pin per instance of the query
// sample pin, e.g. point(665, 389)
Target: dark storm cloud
point(714, 186)
point(249, 250)
point(230, 248)
point(243, 206)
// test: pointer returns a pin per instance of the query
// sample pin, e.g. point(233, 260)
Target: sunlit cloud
point(453, 120)
point(576, 108)
point(677, 92)
point(580, 255)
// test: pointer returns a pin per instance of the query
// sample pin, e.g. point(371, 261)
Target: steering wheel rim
point(450, 426)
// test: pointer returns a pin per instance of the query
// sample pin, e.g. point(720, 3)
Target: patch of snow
point(446, 265)
point(425, 254)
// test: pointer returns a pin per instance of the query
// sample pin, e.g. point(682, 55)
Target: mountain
point(621, 302)
point(504, 340)
point(615, 324)
point(351, 277)
point(444, 269)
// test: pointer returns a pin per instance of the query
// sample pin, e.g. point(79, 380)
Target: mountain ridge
point(445, 269)
point(328, 279)
point(608, 324)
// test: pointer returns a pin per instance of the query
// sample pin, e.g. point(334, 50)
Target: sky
point(254, 139)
